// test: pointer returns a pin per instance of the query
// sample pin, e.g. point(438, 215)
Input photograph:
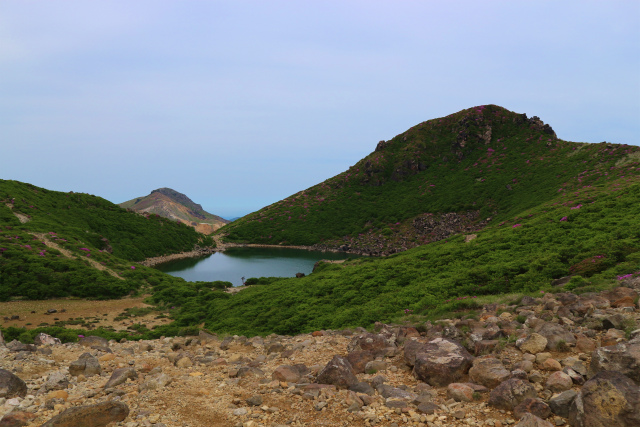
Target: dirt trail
point(22, 218)
point(68, 254)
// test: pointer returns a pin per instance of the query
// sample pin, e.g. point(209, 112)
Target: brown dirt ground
point(103, 311)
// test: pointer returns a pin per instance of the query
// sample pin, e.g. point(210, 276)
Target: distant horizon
point(241, 104)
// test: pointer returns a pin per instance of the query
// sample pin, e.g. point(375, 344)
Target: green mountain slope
point(444, 176)
point(592, 235)
point(70, 244)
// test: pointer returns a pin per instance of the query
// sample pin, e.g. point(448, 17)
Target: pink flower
point(132, 267)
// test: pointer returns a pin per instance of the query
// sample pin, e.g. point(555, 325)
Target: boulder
point(558, 382)
point(609, 399)
point(441, 362)
point(57, 381)
point(16, 419)
point(11, 385)
point(555, 335)
point(585, 344)
point(155, 382)
point(530, 420)
point(286, 373)
point(86, 365)
point(533, 406)
point(561, 403)
point(98, 415)
point(359, 359)
point(511, 393)
point(534, 343)
point(622, 357)
point(619, 293)
point(460, 392)
point(94, 341)
point(45, 339)
point(120, 376)
point(377, 344)
point(337, 372)
point(411, 350)
point(488, 371)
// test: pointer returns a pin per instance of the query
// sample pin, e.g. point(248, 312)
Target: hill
point(171, 204)
point(454, 174)
point(55, 244)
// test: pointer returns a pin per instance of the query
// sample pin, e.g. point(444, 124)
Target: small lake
point(235, 263)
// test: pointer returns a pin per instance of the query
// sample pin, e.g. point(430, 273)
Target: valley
point(481, 227)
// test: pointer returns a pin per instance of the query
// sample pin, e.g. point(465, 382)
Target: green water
point(235, 263)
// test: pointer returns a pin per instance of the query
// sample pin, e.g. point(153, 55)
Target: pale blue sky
point(239, 104)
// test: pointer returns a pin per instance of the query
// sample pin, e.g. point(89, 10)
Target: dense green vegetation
point(88, 233)
point(594, 236)
point(484, 159)
point(557, 209)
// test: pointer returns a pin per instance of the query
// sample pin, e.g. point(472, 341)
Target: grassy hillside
point(480, 163)
point(79, 245)
point(592, 234)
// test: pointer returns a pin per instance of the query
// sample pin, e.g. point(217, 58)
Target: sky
point(239, 104)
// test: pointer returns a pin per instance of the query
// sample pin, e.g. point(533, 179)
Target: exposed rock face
point(441, 361)
point(11, 385)
point(609, 399)
point(622, 357)
point(98, 415)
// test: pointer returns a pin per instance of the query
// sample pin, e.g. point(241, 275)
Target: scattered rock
point(98, 415)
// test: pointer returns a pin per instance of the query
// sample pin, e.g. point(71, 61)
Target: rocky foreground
point(561, 359)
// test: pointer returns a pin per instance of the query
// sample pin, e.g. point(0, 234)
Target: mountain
point(171, 204)
point(55, 244)
point(449, 175)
